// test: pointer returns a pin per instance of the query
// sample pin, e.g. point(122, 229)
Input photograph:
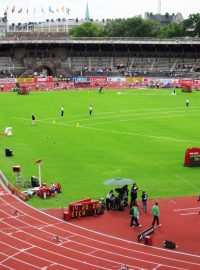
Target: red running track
point(27, 243)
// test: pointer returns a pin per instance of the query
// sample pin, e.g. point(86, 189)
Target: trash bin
point(148, 240)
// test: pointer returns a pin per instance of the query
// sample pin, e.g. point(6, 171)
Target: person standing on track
point(144, 201)
point(156, 214)
point(134, 216)
point(134, 190)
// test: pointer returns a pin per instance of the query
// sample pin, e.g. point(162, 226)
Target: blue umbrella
point(118, 182)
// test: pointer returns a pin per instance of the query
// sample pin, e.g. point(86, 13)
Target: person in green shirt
point(134, 216)
point(156, 214)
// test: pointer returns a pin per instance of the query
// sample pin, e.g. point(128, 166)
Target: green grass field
point(137, 134)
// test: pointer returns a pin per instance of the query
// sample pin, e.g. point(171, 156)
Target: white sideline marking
point(187, 214)
point(139, 134)
point(185, 209)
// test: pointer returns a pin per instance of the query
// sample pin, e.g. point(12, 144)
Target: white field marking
point(187, 214)
point(37, 257)
point(140, 118)
point(134, 114)
point(73, 259)
point(157, 267)
point(187, 182)
point(150, 262)
point(13, 257)
point(123, 111)
point(109, 236)
point(185, 209)
point(116, 254)
point(119, 118)
point(95, 250)
point(41, 121)
point(172, 201)
point(5, 266)
point(118, 247)
point(47, 241)
point(75, 115)
point(141, 135)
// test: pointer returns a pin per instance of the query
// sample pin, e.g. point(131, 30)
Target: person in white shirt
point(62, 111)
point(90, 109)
point(109, 200)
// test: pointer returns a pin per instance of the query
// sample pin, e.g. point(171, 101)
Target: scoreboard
point(87, 207)
point(192, 157)
point(195, 159)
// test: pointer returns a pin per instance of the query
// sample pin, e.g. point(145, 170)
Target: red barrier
point(11, 187)
point(21, 195)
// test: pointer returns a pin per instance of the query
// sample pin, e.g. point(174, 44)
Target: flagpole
point(49, 17)
point(40, 175)
point(39, 162)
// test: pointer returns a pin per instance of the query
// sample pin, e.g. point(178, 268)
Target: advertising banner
point(185, 81)
point(99, 79)
point(115, 79)
point(131, 79)
point(81, 79)
point(25, 80)
point(46, 79)
point(7, 80)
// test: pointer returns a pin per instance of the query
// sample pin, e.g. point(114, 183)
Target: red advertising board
point(99, 79)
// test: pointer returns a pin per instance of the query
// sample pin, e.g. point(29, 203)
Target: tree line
point(138, 27)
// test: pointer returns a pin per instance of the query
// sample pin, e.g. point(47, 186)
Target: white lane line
point(185, 209)
point(188, 214)
point(141, 135)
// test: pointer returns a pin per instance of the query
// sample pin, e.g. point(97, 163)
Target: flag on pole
point(67, 10)
point(63, 9)
point(38, 161)
point(20, 10)
point(50, 9)
point(13, 9)
point(27, 11)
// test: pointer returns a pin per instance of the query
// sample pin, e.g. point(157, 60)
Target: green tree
point(114, 28)
point(171, 30)
point(192, 25)
point(131, 27)
point(88, 29)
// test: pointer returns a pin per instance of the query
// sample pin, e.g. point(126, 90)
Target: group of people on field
point(134, 213)
point(114, 202)
point(62, 110)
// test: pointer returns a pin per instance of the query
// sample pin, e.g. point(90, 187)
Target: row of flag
point(50, 10)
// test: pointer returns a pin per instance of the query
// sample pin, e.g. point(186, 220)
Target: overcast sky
point(39, 10)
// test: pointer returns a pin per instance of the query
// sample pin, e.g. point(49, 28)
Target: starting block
point(56, 238)
point(15, 212)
